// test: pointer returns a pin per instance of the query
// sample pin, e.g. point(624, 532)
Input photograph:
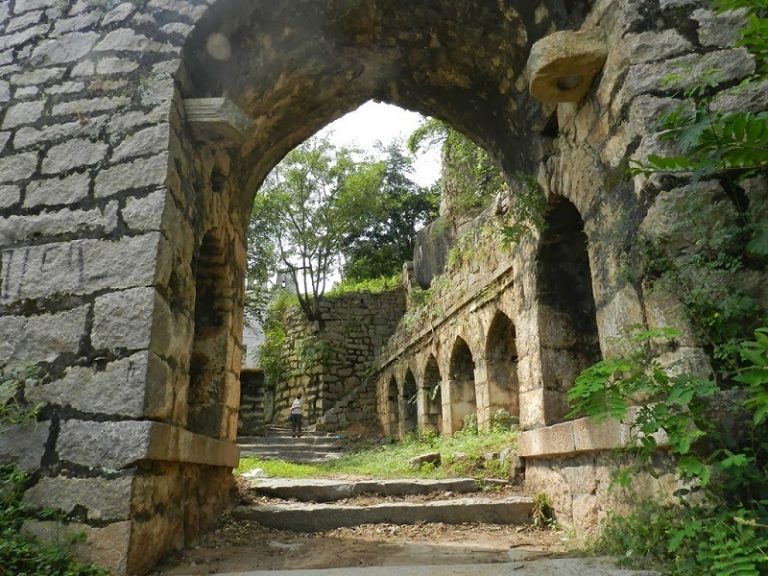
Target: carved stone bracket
point(217, 121)
point(561, 66)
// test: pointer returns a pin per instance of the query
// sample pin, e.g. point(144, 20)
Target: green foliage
point(675, 405)
point(368, 286)
point(13, 377)
point(470, 178)
point(23, 555)
point(543, 512)
point(272, 349)
point(755, 375)
point(462, 455)
point(384, 239)
point(528, 209)
point(685, 540)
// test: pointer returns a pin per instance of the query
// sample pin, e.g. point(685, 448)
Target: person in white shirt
point(295, 416)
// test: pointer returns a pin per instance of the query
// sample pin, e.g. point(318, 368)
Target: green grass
point(391, 460)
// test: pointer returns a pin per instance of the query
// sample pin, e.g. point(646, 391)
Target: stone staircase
point(320, 505)
point(278, 444)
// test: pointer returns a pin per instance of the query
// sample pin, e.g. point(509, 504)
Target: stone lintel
point(217, 120)
point(568, 438)
point(578, 436)
point(561, 66)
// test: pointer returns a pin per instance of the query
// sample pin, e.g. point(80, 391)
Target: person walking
point(295, 416)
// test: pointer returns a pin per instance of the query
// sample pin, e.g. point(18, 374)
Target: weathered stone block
point(9, 195)
point(23, 113)
point(134, 175)
point(24, 445)
point(103, 500)
point(650, 46)
point(65, 49)
point(78, 267)
point(57, 191)
point(125, 319)
point(41, 338)
point(680, 73)
point(73, 154)
point(118, 389)
point(555, 439)
point(147, 141)
point(20, 228)
point(17, 167)
point(561, 66)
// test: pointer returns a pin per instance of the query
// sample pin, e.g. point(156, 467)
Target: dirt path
point(239, 546)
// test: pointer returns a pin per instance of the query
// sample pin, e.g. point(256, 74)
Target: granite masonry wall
point(329, 364)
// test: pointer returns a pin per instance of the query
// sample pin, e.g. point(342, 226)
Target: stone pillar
point(482, 395)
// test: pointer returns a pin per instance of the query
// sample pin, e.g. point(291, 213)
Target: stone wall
point(335, 363)
point(565, 296)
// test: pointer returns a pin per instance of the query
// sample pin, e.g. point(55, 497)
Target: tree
point(385, 240)
point(305, 211)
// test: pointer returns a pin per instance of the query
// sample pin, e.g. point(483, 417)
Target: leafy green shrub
point(685, 540)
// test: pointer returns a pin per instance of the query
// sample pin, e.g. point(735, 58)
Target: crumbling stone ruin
point(134, 136)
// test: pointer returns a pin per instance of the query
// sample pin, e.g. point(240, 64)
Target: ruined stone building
point(134, 136)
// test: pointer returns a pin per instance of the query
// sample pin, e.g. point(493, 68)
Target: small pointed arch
point(408, 402)
point(433, 404)
point(501, 366)
point(567, 311)
point(463, 402)
point(213, 311)
point(393, 409)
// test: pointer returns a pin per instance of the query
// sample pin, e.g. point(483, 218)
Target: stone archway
point(393, 407)
point(408, 404)
point(119, 179)
point(567, 312)
point(501, 366)
point(461, 402)
point(431, 410)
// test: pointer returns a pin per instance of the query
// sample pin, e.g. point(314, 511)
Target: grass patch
point(462, 455)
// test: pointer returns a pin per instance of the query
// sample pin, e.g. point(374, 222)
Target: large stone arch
point(118, 173)
point(567, 313)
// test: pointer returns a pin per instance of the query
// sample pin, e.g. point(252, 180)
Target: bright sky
point(376, 122)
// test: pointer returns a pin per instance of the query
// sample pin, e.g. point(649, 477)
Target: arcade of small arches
point(472, 368)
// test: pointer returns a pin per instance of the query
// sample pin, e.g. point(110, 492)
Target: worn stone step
point(329, 490)
point(309, 457)
point(302, 517)
point(272, 441)
point(538, 567)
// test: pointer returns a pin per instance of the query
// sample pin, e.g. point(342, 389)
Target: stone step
point(307, 457)
point(538, 567)
point(329, 490)
point(302, 517)
point(286, 441)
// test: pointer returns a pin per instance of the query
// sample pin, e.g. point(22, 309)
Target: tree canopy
point(384, 241)
point(307, 208)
